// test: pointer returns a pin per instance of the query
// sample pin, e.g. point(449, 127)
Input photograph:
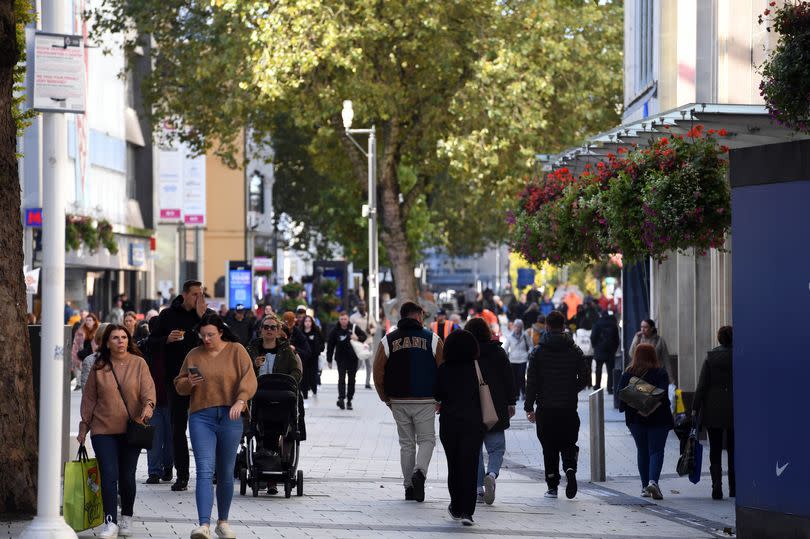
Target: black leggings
point(716, 453)
point(462, 445)
point(519, 373)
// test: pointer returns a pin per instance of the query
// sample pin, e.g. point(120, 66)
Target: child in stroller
point(269, 453)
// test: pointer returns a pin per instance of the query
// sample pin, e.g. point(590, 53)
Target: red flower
point(767, 12)
point(724, 149)
point(772, 4)
point(722, 132)
point(664, 141)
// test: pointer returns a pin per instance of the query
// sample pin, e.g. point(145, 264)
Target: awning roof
point(746, 125)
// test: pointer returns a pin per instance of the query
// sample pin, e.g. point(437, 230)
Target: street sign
point(59, 73)
point(33, 217)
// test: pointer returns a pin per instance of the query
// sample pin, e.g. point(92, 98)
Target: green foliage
point(327, 301)
point(23, 14)
point(670, 196)
point(463, 94)
point(785, 72)
point(93, 234)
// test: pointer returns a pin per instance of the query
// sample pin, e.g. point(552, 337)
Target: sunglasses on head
point(269, 327)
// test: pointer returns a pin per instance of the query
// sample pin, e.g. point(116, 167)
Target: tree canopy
point(463, 95)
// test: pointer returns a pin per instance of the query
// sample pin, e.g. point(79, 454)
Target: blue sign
point(33, 217)
point(240, 287)
point(525, 277)
point(771, 275)
point(137, 254)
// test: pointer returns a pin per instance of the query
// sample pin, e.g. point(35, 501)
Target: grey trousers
point(417, 430)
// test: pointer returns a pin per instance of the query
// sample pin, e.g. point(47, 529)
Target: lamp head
point(348, 114)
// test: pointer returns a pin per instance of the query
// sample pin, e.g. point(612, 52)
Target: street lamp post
point(370, 209)
point(49, 524)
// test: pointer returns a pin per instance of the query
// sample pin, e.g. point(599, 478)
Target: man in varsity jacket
point(405, 368)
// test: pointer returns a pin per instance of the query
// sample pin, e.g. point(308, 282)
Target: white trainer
point(224, 531)
point(110, 530)
point(125, 526)
point(201, 532)
point(489, 488)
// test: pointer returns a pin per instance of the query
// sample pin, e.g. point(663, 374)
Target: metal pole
point(373, 262)
point(596, 403)
point(49, 523)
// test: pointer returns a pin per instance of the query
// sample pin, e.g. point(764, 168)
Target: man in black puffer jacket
point(557, 373)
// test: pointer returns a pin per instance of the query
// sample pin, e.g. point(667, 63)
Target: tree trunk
point(18, 426)
point(393, 223)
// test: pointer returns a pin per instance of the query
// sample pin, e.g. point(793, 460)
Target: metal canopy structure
point(745, 125)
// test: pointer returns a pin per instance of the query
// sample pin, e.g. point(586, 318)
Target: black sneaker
point(467, 520)
point(180, 485)
point(154, 479)
point(571, 486)
point(409, 494)
point(167, 476)
point(551, 493)
point(340, 404)
point(368, 386)
point(349, 405)
point(453, 514)
point(418, 482)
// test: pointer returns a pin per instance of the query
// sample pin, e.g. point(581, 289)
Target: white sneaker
point(645, 493)
point(655, 491)
point(489, 488)
point(124, 526)
point(110, 530)
point(201, 532)
point(224, 531)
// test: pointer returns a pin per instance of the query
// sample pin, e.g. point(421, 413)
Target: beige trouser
point(416, 427)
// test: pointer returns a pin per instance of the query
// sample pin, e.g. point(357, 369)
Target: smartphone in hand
point(196, 372)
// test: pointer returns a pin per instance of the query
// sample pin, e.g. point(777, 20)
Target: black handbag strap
point(119, 389)
point(82, 455)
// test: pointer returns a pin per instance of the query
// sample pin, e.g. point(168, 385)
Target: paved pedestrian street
point(352, 488)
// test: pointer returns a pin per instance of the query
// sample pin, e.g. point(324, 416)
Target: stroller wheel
point(299, 483)
point(243, 481)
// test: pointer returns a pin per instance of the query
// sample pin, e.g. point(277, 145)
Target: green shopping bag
point(82, 507)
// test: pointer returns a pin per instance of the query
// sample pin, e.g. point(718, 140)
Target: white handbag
point(361, 349)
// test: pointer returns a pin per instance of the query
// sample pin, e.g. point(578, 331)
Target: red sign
point(33, 217)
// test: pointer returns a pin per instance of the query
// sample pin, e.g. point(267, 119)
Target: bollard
point(596, 404)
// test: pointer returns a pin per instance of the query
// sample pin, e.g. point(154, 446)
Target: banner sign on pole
point(181, 191)
point(31, 280)
point(59, 73)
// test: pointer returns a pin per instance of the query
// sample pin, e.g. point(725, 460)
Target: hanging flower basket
point(670, 196)
point(93, 234)
point(785, 85)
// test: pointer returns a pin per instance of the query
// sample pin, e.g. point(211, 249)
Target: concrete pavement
point(353, 488)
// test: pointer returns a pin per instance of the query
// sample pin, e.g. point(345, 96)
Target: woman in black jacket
point(316, 345)
point(461, 427)
point(714, 405)
point(497, 373)
point(650, 433)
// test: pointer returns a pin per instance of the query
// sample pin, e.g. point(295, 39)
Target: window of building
point(644, 43)
point(257, 192)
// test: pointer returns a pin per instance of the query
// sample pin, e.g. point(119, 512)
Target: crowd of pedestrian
point(186, 367)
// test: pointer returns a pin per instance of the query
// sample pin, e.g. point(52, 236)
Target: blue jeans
point(495, 442)
point(117, 462)
point(650, 443)
point(215, 439)
point(160, 456)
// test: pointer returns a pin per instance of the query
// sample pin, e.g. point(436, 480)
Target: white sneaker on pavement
point(489, 488)
point(110, 530)
point(201, 532)
point(645, 493)
point(224, 531)
point(124, 526)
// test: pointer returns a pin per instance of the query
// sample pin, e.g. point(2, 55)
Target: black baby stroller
point(269, 452)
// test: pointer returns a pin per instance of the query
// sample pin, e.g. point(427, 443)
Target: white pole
point(49, 524)
point(373, 263)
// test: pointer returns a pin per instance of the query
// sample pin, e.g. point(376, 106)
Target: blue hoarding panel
point(240, 287)
point(771, 294)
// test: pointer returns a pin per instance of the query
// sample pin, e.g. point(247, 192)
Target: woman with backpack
point(518, 345)
point(649, 432)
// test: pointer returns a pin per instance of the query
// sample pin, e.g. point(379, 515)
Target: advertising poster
point(59, 73)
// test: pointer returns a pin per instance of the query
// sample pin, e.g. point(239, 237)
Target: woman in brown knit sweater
point(219, 378)
point(105, 411)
